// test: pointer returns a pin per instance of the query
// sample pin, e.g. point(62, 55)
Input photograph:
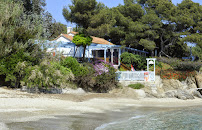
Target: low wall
point(155, 83)
point(136, 76)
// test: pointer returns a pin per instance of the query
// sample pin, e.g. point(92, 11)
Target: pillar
point(112, 51)
point(105, 54)
point(119, 58)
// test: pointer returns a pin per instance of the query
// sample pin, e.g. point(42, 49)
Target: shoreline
point(17, 106)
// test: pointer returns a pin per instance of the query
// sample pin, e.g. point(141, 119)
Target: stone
point(160, 89)
point(170, 94)
point(73, 91)
point(197, 94)
point(24, 88)
point(184, 95)
point(171, 84)
point(198, 78)
point(140, 93)
point(190, 82)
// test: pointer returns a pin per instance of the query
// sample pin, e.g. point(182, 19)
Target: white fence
point(136, 75)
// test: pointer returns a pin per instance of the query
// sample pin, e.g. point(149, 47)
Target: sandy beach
point(17, 106)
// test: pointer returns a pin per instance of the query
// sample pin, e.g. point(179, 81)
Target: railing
point(136, 76)
point(125, 67)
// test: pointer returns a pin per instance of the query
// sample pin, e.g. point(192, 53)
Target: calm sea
point(189, 118)
point(134, 118)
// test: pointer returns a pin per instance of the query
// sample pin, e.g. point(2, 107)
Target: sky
point(55, 7)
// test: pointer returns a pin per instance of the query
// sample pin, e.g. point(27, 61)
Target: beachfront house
point(99, 49)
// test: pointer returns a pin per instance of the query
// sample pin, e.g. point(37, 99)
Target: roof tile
point(96, 40)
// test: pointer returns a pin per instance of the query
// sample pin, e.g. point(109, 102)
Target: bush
point(98, 76)
point(12, 67)
point(178, 64)
point(137, 61)
point(176, 74)
point(47, 75)
point(105, 76)
point(77, 69)
point(136, 86)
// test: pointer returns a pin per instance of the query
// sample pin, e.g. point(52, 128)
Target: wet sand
point(21, 110)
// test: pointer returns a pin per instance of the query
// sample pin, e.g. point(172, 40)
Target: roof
point(65, 36)
point(101, 41)
point(96, 40)
point(73, 32)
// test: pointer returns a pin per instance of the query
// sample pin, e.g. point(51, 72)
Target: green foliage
point(136, 86)
point(77, 69)
point(87, 78)
point(56, 29)
point(18, 34)
point(197, 51)
point(13, 66)
point(137, 61)
point(82, 40)
point(81, 11)
point(181, 65)
point(150, 45)
point(142, 24)
point(106, 81)
point(33, 6)
point(200, 69)
point(47, 75)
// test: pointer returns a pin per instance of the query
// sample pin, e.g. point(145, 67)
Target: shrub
point(105, 76)
point(178, 64)
point(77, 69)
point(137, 61)
point(98, 76)
point(47, 75)
point(83, 73)
point(175, 74)
point(136, 86)
point(13, 66)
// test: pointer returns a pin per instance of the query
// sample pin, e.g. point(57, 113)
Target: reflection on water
point(127, 119)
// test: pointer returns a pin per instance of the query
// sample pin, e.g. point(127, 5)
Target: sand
point(17, 106)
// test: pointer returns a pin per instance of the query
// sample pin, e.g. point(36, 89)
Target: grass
point(136, 86)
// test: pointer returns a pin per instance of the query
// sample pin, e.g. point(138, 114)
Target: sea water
point(189, 118)
point(132, 118)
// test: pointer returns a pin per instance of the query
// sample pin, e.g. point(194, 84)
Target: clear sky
point(55, 7)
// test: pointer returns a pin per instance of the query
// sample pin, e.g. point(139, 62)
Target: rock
point(24, 88)
point(183, 94)
point(51, 90)
point(73, 91)
point(125, 92)
point(33, 90)
point(190, 82)
point(170, 94)
point(197, 94)
point(171, 84)
point(199, 80)
point(160, 89)
point(140, 93)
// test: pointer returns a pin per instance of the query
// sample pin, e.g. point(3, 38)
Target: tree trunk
point(84, 51)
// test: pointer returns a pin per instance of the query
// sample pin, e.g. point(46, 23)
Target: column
point(154, 69)
point(105, 54)
point(112, 50)
point(119, 58)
